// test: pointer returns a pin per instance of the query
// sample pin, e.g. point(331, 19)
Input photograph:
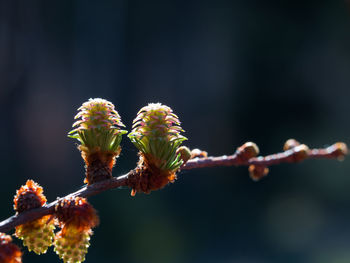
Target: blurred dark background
point(234, 71)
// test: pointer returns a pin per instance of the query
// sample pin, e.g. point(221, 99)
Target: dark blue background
point(233, 71)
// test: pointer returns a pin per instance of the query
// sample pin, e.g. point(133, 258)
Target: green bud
point(98, 125)
point(156, 133)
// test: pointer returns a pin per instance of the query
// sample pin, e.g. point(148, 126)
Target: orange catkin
point(76, 219)
point(29, 196)
point(9, 252)
point(37, 235)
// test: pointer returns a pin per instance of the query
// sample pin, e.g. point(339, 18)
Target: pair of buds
point(75, 217)
point(155, 133)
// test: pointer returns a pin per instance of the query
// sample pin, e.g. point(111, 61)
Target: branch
point(290, 155)
point(293, 152)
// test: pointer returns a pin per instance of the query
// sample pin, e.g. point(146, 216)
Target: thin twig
point(295, 154)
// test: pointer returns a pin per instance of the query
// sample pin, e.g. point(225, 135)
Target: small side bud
point(9, 252)
point(197, 153)
point(185, 153)
point(247, 151)
point(37, 235)
point(290, 144)
point(300, 152)
point(339, 149)
point(256, 172)
point(76, 218)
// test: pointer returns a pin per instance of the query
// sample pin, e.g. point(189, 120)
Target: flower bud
point(37, 235)
point(301, 152)
point(339, 149)
point(290, 144)
point(185, 153)
point(9, 252)
point(76, 219)
point(256, 172)
point(247, 151)
point(99, 132)
point(156, 133)
point(197, 153)
point(29, 196)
